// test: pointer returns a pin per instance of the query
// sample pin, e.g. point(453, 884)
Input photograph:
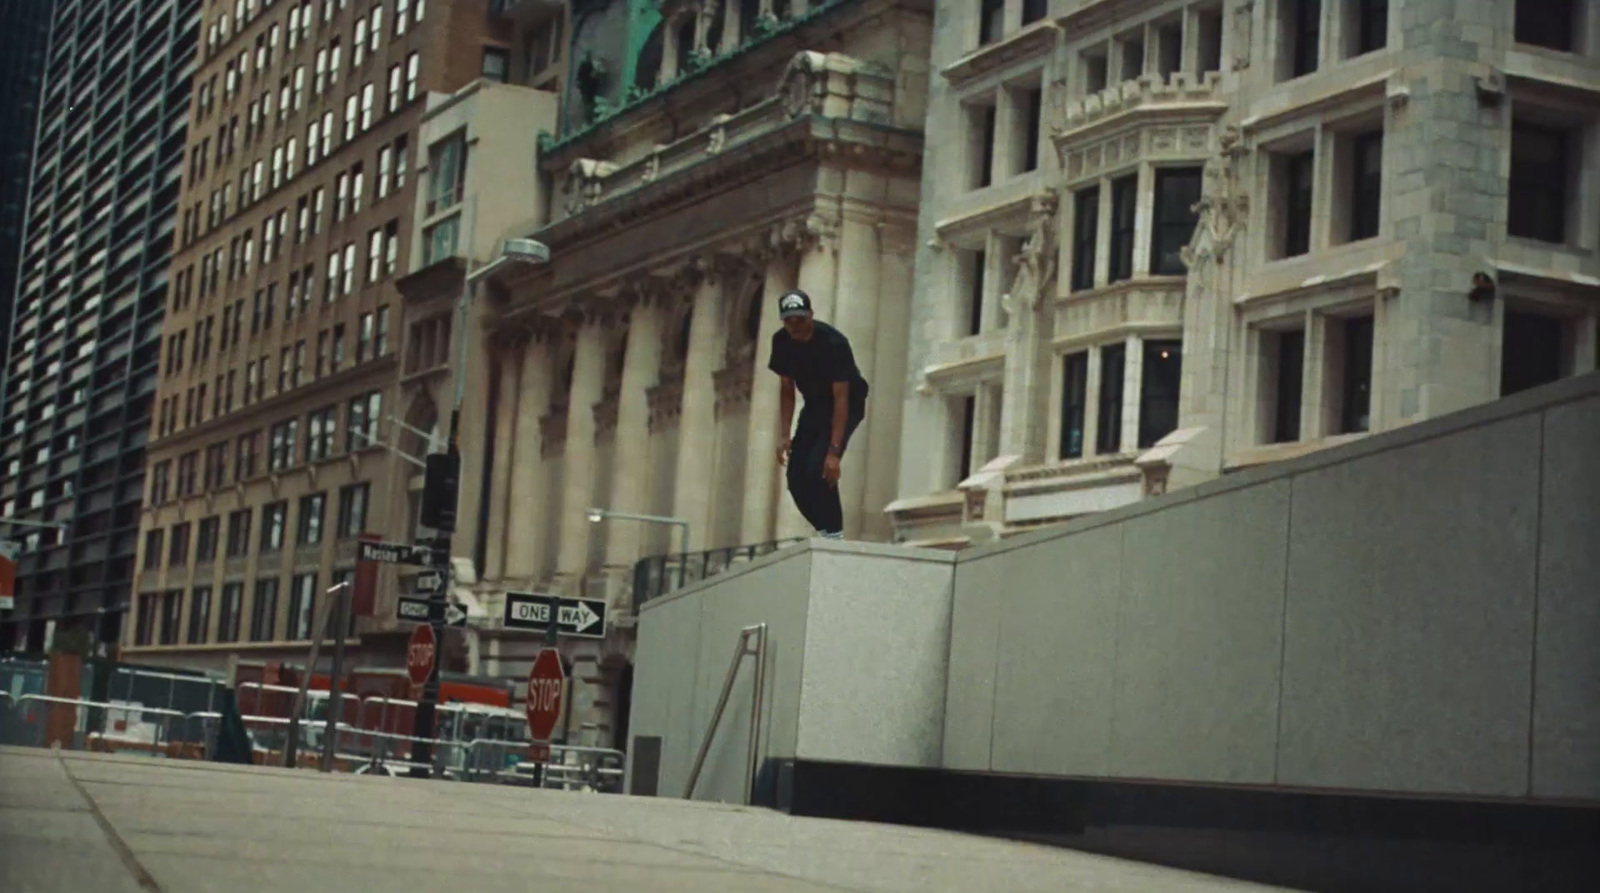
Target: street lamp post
point(443, 475)
point(596, 515)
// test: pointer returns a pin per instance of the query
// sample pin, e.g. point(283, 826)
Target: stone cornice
point(850, 143)
point(1036, 40)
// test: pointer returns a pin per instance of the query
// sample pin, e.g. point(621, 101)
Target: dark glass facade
point(92, 286)
point(24, 41)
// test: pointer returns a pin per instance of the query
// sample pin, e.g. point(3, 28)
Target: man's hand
point(783, 451)
point(830, 470)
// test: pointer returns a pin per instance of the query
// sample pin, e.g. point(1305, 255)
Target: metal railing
point(759, 633)
point(659, 574)
point(360, 749)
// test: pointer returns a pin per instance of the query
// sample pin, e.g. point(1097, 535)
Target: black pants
point(817, 499)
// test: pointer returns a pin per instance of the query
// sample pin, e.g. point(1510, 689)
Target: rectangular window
point(361, 421)
point(391, 247)
point(1547, 23)
point(230, 612)
point(274, 519)
point(1303, 30)
point(154, 543)
point(238, 533)
point(1074, 401)
point(1124, 204)
point(1033, 109)
point(206, 541)
point(1177, 193)
point(447, 175)
point(178, 547)
point(986, 150)
point(385, 156)
point(1085, 236)
point(496, 63)
point(977, 272)
point(302, 606)
point(1158, 390)
point(412, 70)
point(309, 531)
point(320, 426)
point(1369, 32)
point(1366, 185)
point(199, 615)
point(264, 611)
point(1296, 175)
point(1540, 166)
point(969, 420)
point(374, 255)
point(1356, 395)
point(366, 106)
point(352, 510)
point(1034, 10)
point(171, 615)
point(1532, 347)
point(1108, 439)
point(440, 240)
point(1288, 383)
point(991, 20)
point(380, 339)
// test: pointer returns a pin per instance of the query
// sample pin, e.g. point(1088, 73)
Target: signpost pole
point(427, 705)
point(341, 618)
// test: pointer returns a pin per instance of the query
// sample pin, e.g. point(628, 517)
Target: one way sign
point(585, 617)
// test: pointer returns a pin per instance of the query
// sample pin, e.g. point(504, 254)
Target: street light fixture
point(596, 515)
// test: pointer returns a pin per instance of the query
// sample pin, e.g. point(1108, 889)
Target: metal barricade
point(119, 716)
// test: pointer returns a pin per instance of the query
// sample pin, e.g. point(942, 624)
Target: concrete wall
point(858, 636)
point(1418, 612)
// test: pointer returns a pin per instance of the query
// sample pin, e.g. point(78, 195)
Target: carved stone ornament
point(804, 83)
point(584, 183)
point(652, 167)
point(1223, 206)
point(1036, 262)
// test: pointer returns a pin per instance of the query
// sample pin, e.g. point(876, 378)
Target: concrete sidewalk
point(86, 823)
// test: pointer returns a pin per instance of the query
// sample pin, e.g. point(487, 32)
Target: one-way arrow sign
point(429, 583)
point(400, 553)
point(415, 609)
point(584, 617)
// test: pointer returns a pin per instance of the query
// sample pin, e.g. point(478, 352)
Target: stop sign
point(545, 683)
point(420, 654)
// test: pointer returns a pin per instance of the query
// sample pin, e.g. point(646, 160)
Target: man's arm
point(841, 412)
point(785, 416)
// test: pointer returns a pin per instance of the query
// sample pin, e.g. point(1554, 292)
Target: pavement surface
point(85, 823)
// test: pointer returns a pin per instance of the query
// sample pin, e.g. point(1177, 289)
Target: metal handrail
point(759, 632)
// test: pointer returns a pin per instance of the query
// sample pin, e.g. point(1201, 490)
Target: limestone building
point(707, 158)
point(1162, 240)
point(271, 443)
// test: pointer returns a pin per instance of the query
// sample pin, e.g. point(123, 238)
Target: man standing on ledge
point(815, 358)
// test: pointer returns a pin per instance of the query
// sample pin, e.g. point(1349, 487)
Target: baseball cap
point(794, 303)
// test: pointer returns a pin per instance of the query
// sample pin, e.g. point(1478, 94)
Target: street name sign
point(583, 617)
point(416, 608)
point(400, 553)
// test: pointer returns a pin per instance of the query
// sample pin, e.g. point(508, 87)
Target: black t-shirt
point(815, 365)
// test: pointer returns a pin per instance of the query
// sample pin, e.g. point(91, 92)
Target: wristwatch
point(836, 450)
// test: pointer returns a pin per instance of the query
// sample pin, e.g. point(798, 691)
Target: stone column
point(763, 483)
point(1027, 374)
point(577, 472)
point(697, 425)
point(856, 309)
point(505, 451)
point(630, 483)
point(524, 539)
point(886, 404)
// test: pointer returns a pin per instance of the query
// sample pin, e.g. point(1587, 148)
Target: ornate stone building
point(1161, 240)
point(708, 158)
